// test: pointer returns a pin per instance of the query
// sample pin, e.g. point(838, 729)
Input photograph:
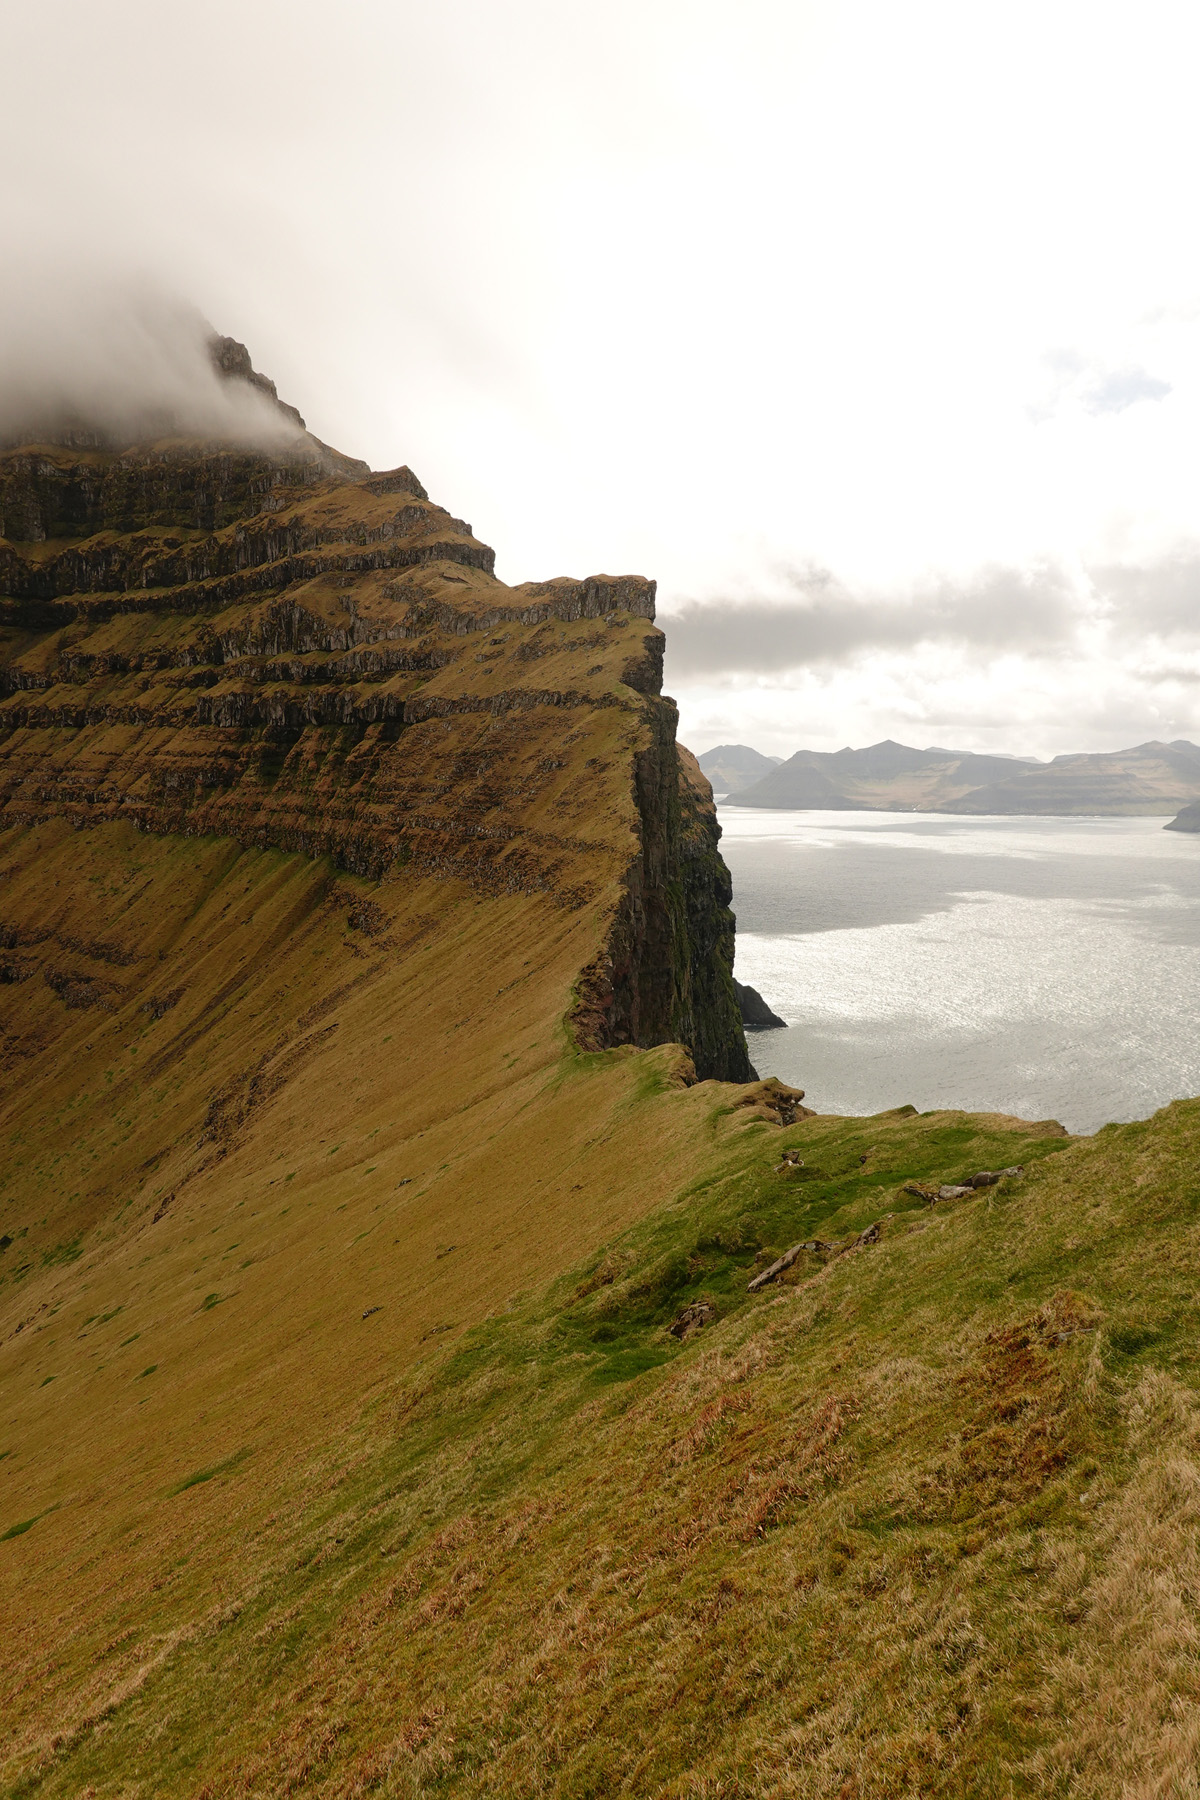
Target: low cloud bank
point(1001, 610)
point(117, 360)
point(1029, 613)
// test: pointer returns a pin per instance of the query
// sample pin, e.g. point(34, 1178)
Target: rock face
point(756, 1014)
point(664, 973)
point(1186, 820)
point(283, 648)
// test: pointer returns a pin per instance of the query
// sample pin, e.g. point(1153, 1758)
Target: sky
point(872, 332)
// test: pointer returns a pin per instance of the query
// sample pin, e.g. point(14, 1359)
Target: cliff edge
point(285, 649)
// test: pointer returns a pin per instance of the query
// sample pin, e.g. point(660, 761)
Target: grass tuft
point(203, 1475)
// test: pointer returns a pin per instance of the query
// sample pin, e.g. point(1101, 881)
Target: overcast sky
point(871, 330)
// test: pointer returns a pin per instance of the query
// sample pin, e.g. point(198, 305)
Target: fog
point(110, 354)
point(901, 295)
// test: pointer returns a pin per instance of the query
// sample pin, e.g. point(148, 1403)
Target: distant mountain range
point(1149, 779)
point(732, 767)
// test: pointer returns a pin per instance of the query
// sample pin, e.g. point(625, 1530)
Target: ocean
point(1044, 967)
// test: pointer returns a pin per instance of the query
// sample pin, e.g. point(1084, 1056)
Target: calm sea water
point(1044, 967)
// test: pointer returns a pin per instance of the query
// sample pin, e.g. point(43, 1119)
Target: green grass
point(68, 1252)
point(915, 1520)
point(203, 1475)
point(19, 1529)
point(24, 1525)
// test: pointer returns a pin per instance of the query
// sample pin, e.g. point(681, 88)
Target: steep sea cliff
point(415, 1379)
point(289, 651)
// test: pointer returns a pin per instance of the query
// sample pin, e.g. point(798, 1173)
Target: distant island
point(1148, 780)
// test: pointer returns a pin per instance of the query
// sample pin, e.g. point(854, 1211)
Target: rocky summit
point(431, 1362)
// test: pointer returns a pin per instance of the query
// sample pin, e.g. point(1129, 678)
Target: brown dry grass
point(922, 1521)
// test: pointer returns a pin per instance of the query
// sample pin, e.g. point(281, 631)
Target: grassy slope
point(330, 1042)
point(922, 1521)
point(344, 1447)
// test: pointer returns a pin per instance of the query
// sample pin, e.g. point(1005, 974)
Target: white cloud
point(1085, 382)
point(825, 623)
point(1119, 388)
point(707, 292)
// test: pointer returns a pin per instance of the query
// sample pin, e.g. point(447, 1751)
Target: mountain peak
point(232, 362)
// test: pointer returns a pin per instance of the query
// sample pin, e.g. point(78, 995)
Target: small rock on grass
point(818, 1248)
point(693, 1318)
point(958, 1190)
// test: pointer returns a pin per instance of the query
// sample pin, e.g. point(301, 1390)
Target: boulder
point(693, 1318)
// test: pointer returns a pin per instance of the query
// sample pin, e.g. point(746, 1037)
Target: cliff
point(401, 1397)
point(291, 652)
point(365, 960)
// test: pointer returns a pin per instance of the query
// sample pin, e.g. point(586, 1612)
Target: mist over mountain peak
point(111, 363)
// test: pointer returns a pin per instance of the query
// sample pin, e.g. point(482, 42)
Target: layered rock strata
point(286, 649)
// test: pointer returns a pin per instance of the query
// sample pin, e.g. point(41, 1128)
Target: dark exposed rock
point(232, 360)
point(666, 973)
point(79, 991)
point(693, 1318)
point(756, 1014)
point(158, 1005)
